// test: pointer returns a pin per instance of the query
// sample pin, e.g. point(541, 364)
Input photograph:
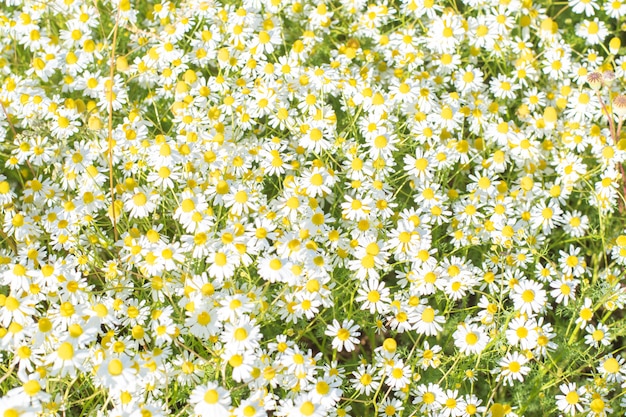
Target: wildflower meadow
point(311, 208)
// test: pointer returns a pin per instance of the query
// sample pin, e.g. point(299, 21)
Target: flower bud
point(608, 76)
point(619, 105)
point(594, 80)
point(614, 45)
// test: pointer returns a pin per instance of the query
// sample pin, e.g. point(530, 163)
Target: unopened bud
point(619, 105)
point(614, 45)
point(608, 77)
point(594, 80)
point(121, 64)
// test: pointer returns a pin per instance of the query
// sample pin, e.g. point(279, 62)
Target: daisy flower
point(575, 223)
point(522, 333)
point(564, 290)
point(67, 359)
point(570, 261)
point(242, 335)
point(529, 297)
point(374, 295)
point(357, 208)
point(513, 368)
point(326, 391)
point(592, 31)
point(612, 368)
point(303, 406)
point(210, 399)
point(588, 7)
point(598, 336)
point(117, 373)
point(428, 322)
point(345, 335)
point(365, 379)
point(572, 399)
point(141, 202)
point(453, 406)
point(429, 398)
point(545, 216)
point(470, 339)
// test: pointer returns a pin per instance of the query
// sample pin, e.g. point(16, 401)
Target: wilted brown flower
point(595, 80)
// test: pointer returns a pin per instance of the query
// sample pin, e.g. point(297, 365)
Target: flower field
point(312, 208)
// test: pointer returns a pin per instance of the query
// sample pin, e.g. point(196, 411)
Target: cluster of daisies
point(307, 208)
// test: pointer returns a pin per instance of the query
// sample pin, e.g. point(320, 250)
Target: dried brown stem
point(615, 134)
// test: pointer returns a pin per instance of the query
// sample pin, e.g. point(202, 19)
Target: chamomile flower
point(592, 31)
point(429, 398)
point(615, 8)
point(202, 322)
point(17, 308)
point(572, 399)
point(304, 407)
point(545, 216)
point(141, 202)
point(470, 338)
point(345, 335)
point(371, 160)
point(357, 208)
point(444, 33)
point(222, 263)
point(598, 336)
point(428, 322)
point(513, 368)
point(570, 261)
point(612, 368)
point(374, 295)
point(210, 399)
point(564, 290)
point(503, 87)
point(398, 375)
point(317, 182)
point(523, 333)
point(529, 297)
point(575, 223)
point(453, 406)
point(117, 373)
point(365, 379)
point(584, 6)
point(326, 391)
point(241, 200)
point(241, 335)
point(67, 359)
